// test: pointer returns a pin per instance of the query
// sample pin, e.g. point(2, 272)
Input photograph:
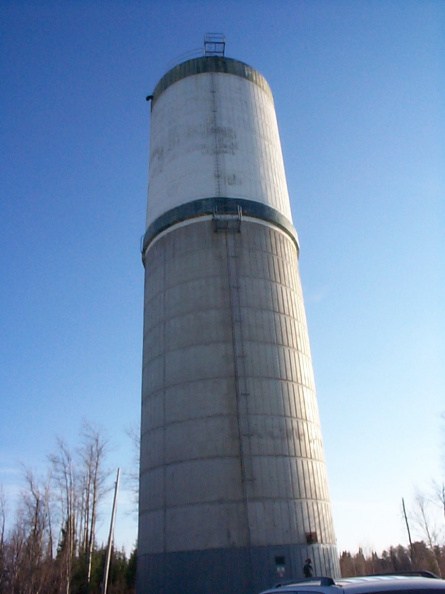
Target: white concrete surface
point(215, 135)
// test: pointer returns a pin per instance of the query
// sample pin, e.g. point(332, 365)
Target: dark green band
point(220, 206)
point(209, 64)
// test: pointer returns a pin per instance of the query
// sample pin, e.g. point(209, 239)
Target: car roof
point(390, 582)
point(363, 584)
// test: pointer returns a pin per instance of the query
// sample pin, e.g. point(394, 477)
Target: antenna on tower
point(214, 44)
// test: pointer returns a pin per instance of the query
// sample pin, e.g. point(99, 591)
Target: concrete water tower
point(233, 488)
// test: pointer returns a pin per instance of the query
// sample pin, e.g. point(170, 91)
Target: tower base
point(241, 570)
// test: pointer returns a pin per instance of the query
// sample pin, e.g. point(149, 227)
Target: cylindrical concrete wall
point(233, 489)
point(214, 133)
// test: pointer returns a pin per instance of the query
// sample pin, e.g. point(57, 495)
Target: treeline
point(397, 559)
point(21, 574)
point(428, 553)
point(50, 546)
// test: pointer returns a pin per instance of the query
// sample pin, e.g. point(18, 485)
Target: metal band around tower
point(210, 64)
point(220, 206)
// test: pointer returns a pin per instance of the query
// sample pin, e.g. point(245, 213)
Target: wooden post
point(409, 533)
point(110, 536)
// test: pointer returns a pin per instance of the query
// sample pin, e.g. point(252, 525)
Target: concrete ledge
point(218, 206)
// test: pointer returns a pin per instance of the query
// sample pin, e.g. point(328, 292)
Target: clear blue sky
point(359, 89)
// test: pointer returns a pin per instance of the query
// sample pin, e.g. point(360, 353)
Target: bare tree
point(67, 501)
point(2, 537)
point(65, 480)
point(427, 527)
point(439, 495)
point(27, 551)
point(93, 477)
point(14, 548)
point(134, 433)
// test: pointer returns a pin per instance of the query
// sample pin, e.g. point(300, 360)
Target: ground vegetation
point(50, 545)
point(396, 559)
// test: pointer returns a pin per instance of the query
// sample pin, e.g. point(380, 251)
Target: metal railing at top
point(214, 45)
point(194, 53)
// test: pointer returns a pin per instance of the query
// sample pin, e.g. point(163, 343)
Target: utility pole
point(110, 536)
point(409, 533)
